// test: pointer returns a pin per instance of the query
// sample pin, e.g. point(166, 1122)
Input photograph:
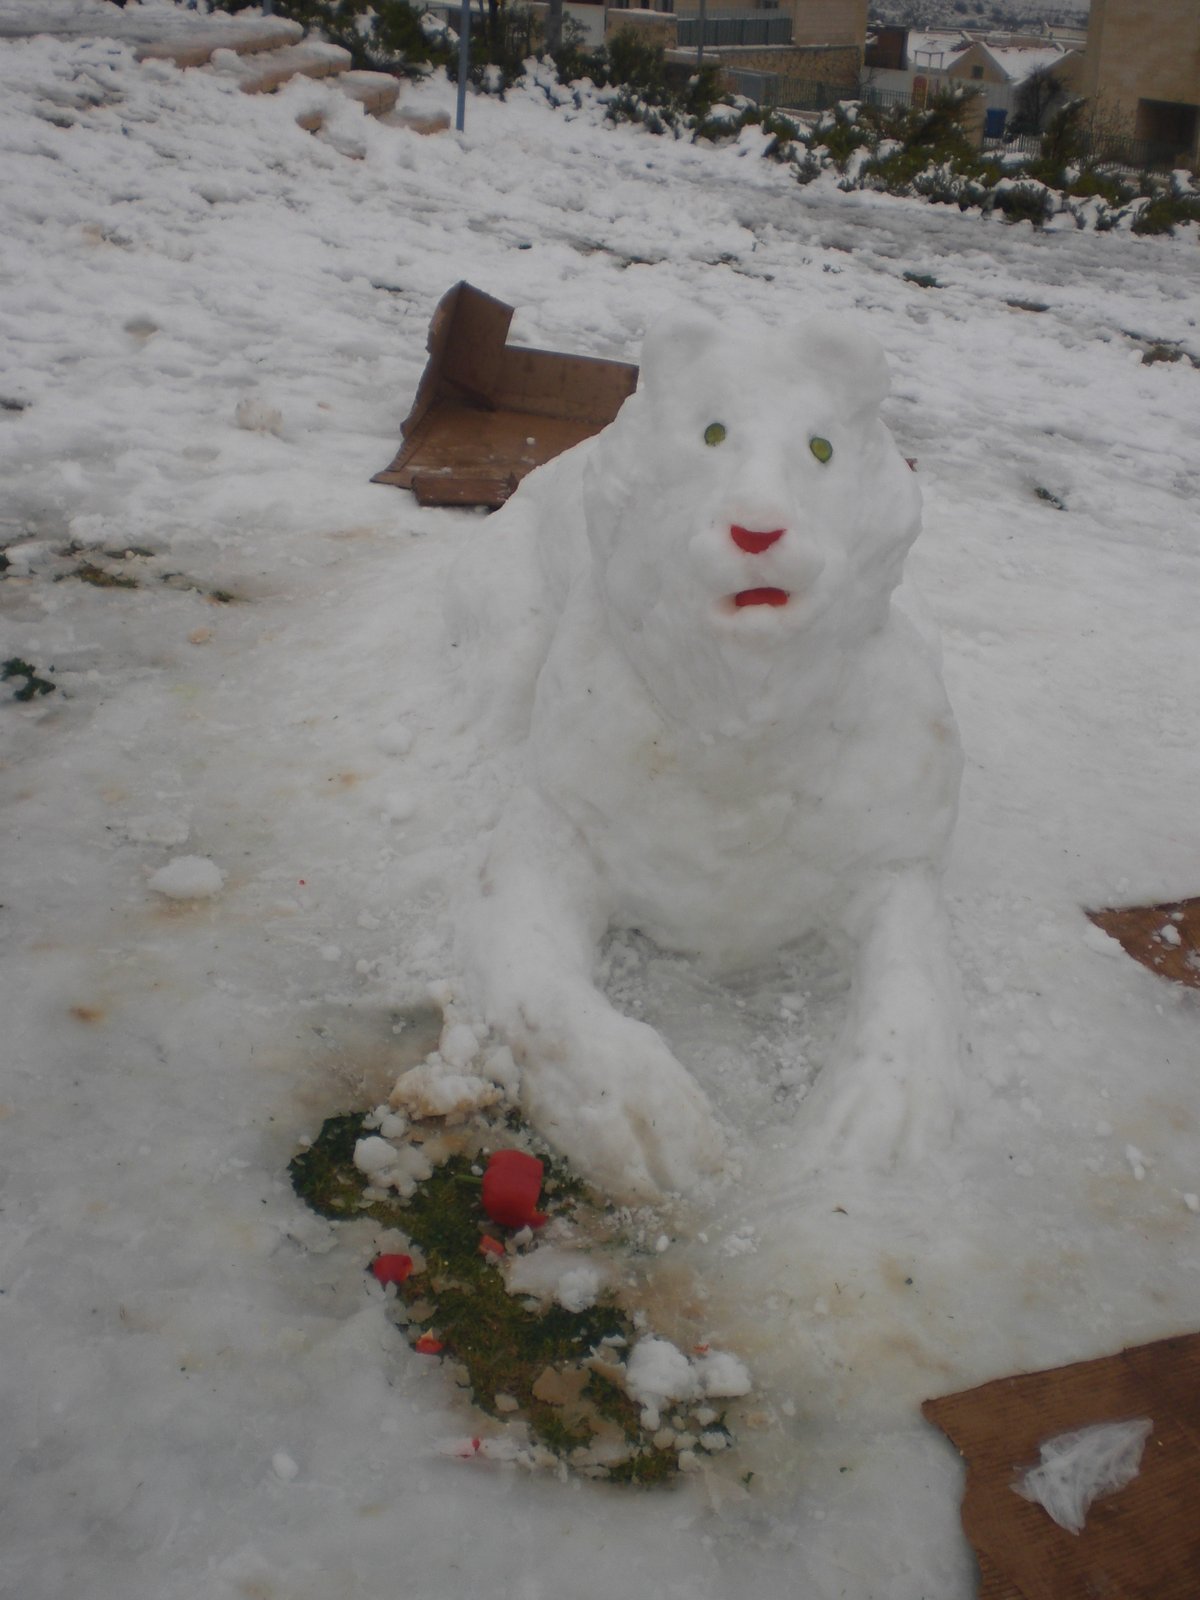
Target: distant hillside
point(1008, 14)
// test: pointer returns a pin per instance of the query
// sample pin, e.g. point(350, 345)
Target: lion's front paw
point(889, 1100)
point(623, 1110)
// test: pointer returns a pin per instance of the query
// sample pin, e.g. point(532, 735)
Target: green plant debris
point(181, 581)
point(611, 1402)
point(1050, 498)
point(541, 1364)
point(100, 577)
point(326, 1179)
point(923, 280)
point(33, 685)
point(645, 1468)
point(1161, 352)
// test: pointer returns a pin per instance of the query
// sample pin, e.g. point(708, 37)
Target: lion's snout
point(754, 543)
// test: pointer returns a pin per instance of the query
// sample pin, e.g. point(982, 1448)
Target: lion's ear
point(848, 361)
point(673, 347)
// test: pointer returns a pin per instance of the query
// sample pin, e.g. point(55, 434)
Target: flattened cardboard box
point(487, 413)
point(1165, 938)
point(1142, 1543)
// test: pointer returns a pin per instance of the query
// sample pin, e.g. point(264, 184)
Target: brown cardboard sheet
point(1140, 932)
point(1141, 1543)
point(486, 412)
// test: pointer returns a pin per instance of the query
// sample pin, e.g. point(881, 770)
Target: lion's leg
point(893, 1088)
point(601, 1086)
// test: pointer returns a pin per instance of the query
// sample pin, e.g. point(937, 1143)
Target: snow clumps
point(256, 416)
point(387, 1167)
point(551, 1273)
point(188, 878)
point(454, 1082)
point(658, 1372)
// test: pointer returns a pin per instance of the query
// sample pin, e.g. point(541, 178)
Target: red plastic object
point(427, 1345)
point(760, 597)
point(392, 1269)
point(490, 1247)
point(754, 543)
point(512, 1183)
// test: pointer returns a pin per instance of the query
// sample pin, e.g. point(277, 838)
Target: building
point(1142, 66)
point(921, 64)
point(811, 51)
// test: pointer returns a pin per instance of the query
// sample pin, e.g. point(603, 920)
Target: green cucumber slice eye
point(822, 449)
point(714, 433)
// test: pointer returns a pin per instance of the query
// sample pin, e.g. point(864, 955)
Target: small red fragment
point(392, 1269)
point(428, 1345)
point(512, 1183)
point(490, 1247)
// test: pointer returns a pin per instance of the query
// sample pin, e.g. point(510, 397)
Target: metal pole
point(464, 61)
point(700, 36)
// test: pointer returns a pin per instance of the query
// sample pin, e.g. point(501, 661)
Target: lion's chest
point(729, 849)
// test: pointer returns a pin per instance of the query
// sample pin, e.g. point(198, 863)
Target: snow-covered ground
point(204, 1395)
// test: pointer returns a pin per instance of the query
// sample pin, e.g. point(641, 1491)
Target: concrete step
point(417, 121)
point(194, 46)
point(260, 74)
point(376, 92)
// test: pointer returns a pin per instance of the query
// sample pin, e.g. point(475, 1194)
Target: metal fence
point(1024, 144)
point(727, 32)
point(885, 99)
point(1106, 150)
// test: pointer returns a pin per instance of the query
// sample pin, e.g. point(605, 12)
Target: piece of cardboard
point(1140, 932)
point(1142, 1543)
point(486, 412)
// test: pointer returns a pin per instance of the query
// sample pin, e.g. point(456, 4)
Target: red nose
point(754, 543)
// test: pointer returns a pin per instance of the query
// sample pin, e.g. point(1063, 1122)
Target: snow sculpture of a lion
point(730, 736)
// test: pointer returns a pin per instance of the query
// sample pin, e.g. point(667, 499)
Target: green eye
point(714, 433)
point(822, 449)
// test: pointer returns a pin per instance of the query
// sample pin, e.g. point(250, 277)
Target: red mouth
point(760, 597)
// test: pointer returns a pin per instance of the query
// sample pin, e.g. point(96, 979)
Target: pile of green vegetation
point(553, 1368)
